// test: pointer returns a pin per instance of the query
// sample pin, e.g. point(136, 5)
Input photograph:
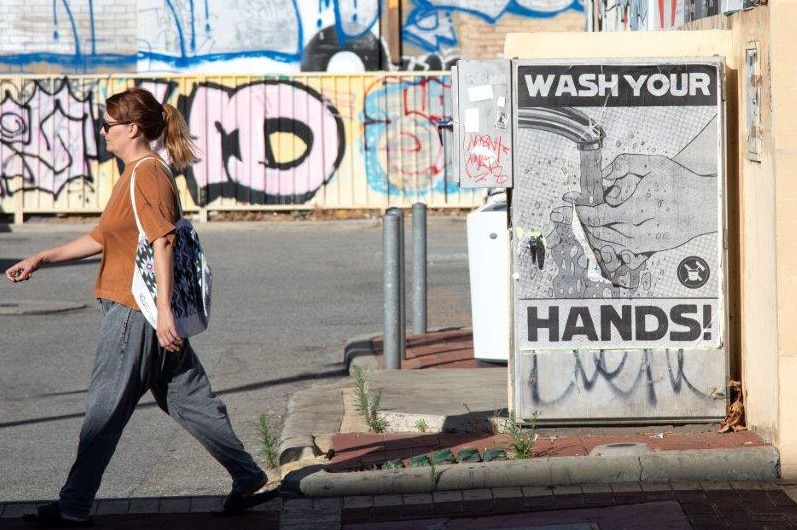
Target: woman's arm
point(79, 248)
point(164, 279)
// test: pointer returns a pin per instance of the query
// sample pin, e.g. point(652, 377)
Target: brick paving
point(697, 505)
point(360, 451)
point(450, 348)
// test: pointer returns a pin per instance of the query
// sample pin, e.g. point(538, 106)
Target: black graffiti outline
point(287, 125)
point(675, 371)
point(30, 182)
point(326, 43)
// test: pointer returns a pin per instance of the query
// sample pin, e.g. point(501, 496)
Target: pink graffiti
point(232, 126)
point(484, 158)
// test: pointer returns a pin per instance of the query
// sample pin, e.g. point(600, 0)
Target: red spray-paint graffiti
point(484, 157)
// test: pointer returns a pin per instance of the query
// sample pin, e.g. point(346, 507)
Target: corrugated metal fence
point(324, 141)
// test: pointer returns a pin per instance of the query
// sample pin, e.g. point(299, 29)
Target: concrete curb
point(312, 415)
point(360, 351)
point(753, 463)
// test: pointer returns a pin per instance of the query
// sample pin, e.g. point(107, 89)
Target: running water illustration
point(636, 206)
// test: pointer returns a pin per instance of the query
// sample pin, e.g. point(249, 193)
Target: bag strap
point(133, 195)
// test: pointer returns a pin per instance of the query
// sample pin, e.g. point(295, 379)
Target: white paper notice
point(471, 120)
point(480, 93)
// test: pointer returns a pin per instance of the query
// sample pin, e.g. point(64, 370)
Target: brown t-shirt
point(158, 211)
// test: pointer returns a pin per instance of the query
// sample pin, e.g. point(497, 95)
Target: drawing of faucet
point(588, 136)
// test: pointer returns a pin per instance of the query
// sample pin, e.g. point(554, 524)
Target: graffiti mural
point(400, 119)
point(359, 141)
point(48, 134)
point(430, 23)
point(267, 36)
point(651, 15)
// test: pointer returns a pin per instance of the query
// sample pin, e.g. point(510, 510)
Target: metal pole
point(391, 233)
point(402, 284)
point(419, 320)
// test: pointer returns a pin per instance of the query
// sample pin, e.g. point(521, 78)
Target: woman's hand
point(22, 271)
point(167, 331)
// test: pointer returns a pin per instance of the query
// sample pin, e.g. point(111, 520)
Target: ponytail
point(177, 139)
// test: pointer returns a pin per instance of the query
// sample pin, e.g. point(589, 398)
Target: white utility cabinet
point(488, 260)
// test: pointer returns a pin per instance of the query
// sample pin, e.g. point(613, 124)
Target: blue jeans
point(129, 362)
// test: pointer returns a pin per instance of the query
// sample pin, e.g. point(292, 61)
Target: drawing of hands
point(651, 203)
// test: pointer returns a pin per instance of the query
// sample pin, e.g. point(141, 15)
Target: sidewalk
point(583, 478)
point(455, 399)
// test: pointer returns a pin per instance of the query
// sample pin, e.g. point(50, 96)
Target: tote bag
point(192, 276)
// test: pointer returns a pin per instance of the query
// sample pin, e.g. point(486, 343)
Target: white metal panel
point(482, 123)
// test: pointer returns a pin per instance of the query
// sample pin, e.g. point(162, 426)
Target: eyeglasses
point(106, 125)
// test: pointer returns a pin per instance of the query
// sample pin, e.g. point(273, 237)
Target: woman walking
point(132, 357)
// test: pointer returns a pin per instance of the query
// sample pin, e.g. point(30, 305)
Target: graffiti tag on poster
point(620, 183)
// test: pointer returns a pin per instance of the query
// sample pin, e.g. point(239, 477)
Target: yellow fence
point(323, 141)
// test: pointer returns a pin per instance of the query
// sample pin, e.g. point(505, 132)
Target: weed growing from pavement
point(433, 478)
point(269, 441)
point(522, 440)
point(366, 405)
point(421, 425)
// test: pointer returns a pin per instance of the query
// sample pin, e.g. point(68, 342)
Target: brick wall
point(482, 40)
point(45, 27)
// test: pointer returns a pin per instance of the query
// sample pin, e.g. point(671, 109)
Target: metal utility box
point(616, 179)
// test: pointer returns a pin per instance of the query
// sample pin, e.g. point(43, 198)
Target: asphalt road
point(287, 297)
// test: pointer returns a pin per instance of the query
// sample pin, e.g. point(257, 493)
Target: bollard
point(419, 319)
point(392, 234)
point(402, 284)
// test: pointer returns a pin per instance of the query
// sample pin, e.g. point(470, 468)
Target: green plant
point(269, 441)
point(421, 425)
point(522, 441)
point(366, 405)
point(433, 476)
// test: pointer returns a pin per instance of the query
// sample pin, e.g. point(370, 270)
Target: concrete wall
point(762, 191)
point(784, 148)
point(767, 199)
